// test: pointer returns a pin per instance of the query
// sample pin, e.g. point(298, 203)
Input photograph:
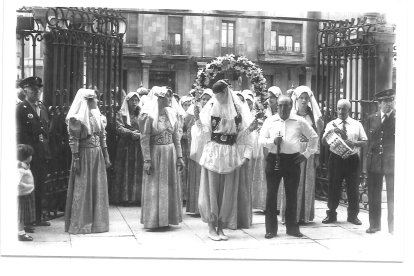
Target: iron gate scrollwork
point(346, 68)
point(82, 47)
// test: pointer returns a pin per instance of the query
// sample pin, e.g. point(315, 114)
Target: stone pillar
point(311, 42)
point(145, 72)
point(384, 61)
point(384, 37)
point(309, 71)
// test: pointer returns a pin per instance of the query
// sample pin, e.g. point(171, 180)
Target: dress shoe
point(29, 229)
point(372, 230)
point(223, 237)
point(329, 219)
point(25, 237)
point(355, 221)
point(270, 235)
point(214, 237)
point(41, 223)
point(297, 233)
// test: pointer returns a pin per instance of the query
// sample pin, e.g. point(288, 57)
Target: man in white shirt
point(353, 133)
point(285, 130)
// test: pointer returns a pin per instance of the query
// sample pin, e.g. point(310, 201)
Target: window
point(286, 37)
point(227, 37)
point(175, 30)
point(285, 43)
point(131, 36)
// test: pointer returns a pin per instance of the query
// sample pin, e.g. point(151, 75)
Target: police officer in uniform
point(32, 122)
point(380, 159)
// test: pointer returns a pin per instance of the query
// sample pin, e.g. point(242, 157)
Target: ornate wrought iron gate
point(81, 47)
point(347, 67)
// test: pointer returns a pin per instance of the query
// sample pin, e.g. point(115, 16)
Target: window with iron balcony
point(285, 38)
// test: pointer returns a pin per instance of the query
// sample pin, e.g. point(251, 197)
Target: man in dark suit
point(380, 159)
point(32, 122)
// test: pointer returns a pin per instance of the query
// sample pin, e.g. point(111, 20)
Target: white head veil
point(124, 111)
point(185, 99)
point(79, 110)
point(177, 107)
point(151, 106)
point(277, 93)
point(312, 103)
point(223, 105)
point(206, 91)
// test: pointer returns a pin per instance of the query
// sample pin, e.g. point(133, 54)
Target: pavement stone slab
point(104, 246)
point(127, 238)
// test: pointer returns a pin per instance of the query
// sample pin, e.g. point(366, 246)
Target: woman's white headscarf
point(79, 110)
point(223, 105)
point(124, 111)
point(247, 92)
point(206, 91)
point(239, 93)
point(151, 106)
point(312, 103)
point(185, 99)
point(277, 93)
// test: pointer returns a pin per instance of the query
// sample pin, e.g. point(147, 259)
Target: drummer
point(352, 132)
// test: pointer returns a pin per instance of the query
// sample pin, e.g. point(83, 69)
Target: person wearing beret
point(32, 123)
point(380, 159)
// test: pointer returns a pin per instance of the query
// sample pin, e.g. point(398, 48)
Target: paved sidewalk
point(127, 238)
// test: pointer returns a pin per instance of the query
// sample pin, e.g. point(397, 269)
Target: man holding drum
point(346, 166)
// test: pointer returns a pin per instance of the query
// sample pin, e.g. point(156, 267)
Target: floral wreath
point(238, 64)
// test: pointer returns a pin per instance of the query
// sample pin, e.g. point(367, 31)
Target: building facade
point(168, 49)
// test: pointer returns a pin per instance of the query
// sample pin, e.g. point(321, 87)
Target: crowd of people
point(219, 152)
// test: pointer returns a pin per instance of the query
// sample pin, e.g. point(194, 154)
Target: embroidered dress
point(161, 191)
point(87, 197)
point(128, 163)
point(226, 142)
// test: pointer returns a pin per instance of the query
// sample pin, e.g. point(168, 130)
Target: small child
point(26, 201)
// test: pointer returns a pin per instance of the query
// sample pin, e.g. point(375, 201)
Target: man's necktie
point(37, 109)
point(343, 126)
point(385, 117)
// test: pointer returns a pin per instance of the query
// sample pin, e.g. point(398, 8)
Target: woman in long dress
point(194, 169)
point(225, 124)
point(244, 196)
point(161, 148)
point(259, 188)
point(305, 105)
point(87, 197)
point(128, 164)
point(188, 121)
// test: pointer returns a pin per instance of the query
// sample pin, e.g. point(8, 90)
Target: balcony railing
point(169, 48)
point(285, 49)
point(227, 49)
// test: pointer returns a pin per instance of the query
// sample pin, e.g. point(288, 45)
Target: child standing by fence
point(26, 206)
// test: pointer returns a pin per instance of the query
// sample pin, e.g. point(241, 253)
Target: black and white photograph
point(204, 133)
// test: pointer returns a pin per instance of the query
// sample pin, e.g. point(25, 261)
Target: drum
point(338, 146)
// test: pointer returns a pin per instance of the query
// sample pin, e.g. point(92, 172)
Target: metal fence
point(81, 47)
